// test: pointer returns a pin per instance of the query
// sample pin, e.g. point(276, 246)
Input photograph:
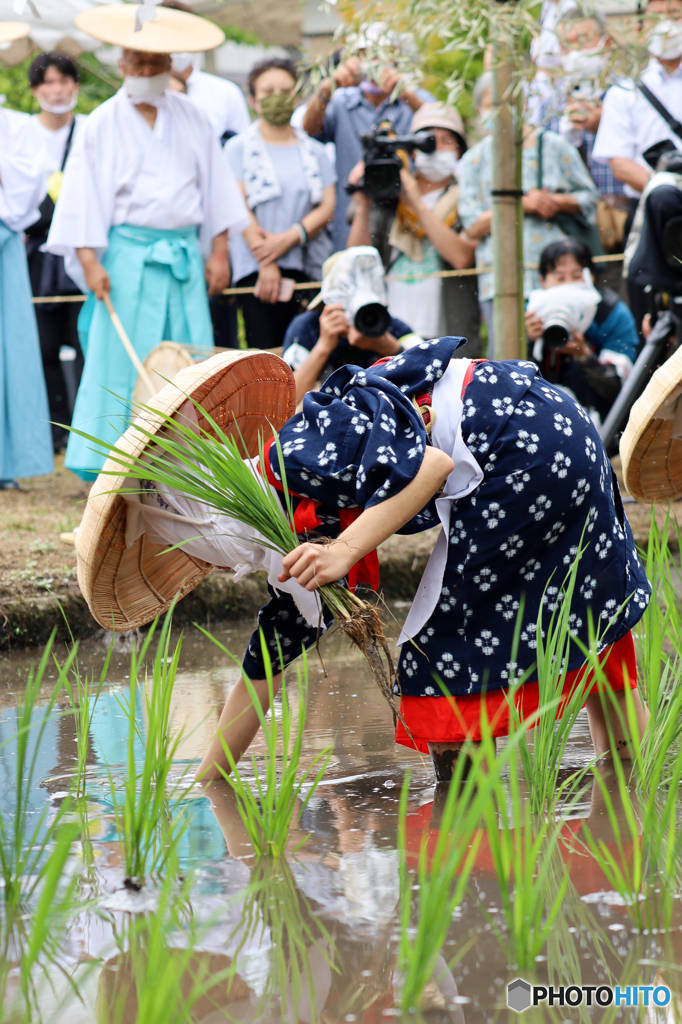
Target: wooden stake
point(127, 344)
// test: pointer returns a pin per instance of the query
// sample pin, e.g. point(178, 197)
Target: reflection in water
point(315, 937)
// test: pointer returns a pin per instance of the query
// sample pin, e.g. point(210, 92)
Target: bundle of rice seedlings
point(209, 466)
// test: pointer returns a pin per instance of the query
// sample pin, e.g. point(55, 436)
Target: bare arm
point(481, 227)
point(630, 173)
point(313, 119)
point(359, 233)
point(314, 565)
point(565, 202)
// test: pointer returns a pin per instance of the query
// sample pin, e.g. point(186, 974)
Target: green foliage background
point(98, 83)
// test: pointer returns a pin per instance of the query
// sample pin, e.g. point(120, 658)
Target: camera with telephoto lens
point(355, 278)
point(563, 309)
point(381, 180)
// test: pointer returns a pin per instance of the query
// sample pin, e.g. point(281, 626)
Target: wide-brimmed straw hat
point(244, 392)
point(11, 31)
point(651, 444)
point(170, 31)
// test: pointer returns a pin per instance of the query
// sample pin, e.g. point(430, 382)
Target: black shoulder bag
point(573, 224)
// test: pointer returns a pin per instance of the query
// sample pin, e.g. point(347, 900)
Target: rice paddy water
point(328, 879)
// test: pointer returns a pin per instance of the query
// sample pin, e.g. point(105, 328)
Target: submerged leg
point(445, 757)
point(237, 726)
point(603, 718)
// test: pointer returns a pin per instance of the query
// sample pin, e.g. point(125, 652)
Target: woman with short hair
point(289, 188)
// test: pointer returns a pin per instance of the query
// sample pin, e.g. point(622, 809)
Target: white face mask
point(181, 61)
point(437, 166)
point(666, 40)
point(142, 89)
point(584, 63)
point(59, 108)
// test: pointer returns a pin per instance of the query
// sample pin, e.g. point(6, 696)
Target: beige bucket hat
point(169, 31)
point(651, 444)
point(11, 31)
point(128, 586)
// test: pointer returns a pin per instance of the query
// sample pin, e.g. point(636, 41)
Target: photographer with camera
point(358, 104)
point(584, 339)
point(354, 326)
point(421, 234)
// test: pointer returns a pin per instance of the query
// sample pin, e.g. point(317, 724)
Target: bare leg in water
point(445, 757)
point(603, 717)
point(237, 726)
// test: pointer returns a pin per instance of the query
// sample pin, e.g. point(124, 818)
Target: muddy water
point(342, 885)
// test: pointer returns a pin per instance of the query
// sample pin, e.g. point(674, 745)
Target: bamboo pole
point(127, 344)
point(507, 213)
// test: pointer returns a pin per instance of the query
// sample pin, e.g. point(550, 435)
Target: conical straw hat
point(170, 31)
point(128, 587)
point(10, 31)
point(650, 451)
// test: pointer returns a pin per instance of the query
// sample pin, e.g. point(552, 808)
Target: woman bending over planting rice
point(514, 471)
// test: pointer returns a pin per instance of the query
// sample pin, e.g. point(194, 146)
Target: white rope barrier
point(310, 285)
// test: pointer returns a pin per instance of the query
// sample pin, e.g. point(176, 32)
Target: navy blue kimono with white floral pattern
point(546, 479)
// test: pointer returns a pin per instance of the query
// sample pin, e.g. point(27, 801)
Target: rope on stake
point(309, 285)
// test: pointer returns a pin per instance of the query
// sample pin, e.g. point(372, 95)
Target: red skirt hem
point(455, 719)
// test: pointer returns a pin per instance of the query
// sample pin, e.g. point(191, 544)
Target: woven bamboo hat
point(11, 31)
point(166, 31)
point(651, 444)
point(126, 587)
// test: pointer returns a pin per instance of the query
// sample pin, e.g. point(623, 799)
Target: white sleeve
point(222, 201)
point(85, 207)
point(238, 119)
point(616, 136)
point(22, 180)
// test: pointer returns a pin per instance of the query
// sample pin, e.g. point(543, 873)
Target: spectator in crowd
point(631, 124)
point(358, 104)
point(425, 236)
point(594, 364)
point(289, 189)
point(53, 78)
point(321, 340)
point(560, 199)
point(143, 215)
point(25, 438)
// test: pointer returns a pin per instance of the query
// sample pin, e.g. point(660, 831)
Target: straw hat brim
point(651, 456)
point(170, 31)
point(250, 393)
point(11, 31)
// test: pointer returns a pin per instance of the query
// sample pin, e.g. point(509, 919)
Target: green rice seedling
point(442, 874)
point(209, 466)
point(530, 872)
point(147, 832)
point(268, 802)
point(160, 974)
point(83, 694)
point(301, 947)
point(25, 837)
point(661, 623)
point(542, 763)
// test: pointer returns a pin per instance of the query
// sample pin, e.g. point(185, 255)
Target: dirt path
point(36, 566)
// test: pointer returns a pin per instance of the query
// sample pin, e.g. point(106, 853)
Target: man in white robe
point(147, 197)
point(25, 435)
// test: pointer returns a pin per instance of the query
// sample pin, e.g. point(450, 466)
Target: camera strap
point(660, 109)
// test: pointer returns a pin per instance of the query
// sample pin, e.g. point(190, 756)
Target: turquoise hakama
point(159, 291)
point(25, 434)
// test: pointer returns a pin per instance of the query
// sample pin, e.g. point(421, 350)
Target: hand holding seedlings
point(315, 565)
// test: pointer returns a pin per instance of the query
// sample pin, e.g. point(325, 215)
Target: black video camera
point(381, 180)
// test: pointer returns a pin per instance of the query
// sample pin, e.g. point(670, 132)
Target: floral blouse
point(562, 171)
